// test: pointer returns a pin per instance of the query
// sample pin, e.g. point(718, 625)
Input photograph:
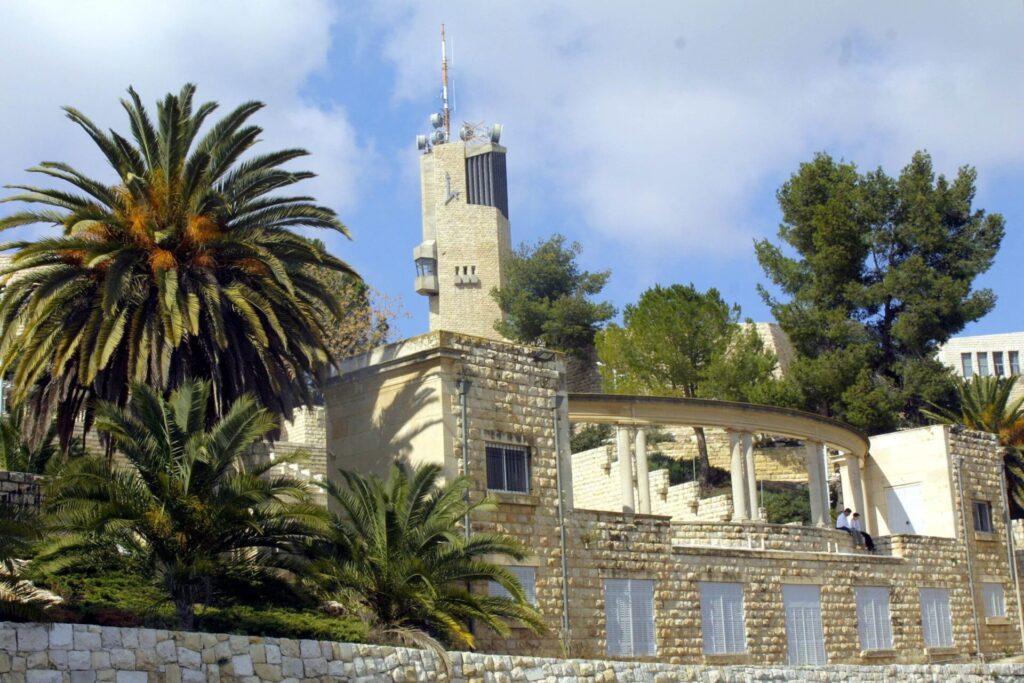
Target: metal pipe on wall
point(563, 544)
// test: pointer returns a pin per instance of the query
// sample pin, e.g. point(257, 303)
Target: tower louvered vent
point(487, 181)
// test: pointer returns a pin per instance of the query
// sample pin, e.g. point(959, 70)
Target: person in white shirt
point(843, 520)
point(857, 528)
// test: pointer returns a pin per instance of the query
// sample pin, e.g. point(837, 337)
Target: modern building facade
point(986, 355)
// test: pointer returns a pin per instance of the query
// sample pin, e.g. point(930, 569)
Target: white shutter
point(804, 632)
point(619, 629)
point(995, 602)
point(527, 578)
point(629, 617)
point(721, 607)
point(873, 618)
point(642, 603)
point(935, 617)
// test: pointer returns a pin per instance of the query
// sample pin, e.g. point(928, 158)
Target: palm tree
point(19, 454)
point(181, 499)
point(986, 406)
point(19, 531)
point(396, 549)
point(186, 267)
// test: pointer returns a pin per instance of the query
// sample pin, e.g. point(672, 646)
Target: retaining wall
point(66, 653)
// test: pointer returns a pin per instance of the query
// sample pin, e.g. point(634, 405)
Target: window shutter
point(629, 617)
point(722, 618)
point(873, 618)
point(804, 633)
point(995, 602)
point(935, 617)
point(642, 616)
point(527, 577)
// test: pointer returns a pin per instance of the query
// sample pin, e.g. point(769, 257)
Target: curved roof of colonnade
point(747, 417)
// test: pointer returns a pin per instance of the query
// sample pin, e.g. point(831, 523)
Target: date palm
point(186, 266)
point(395, 548)
point(181, 499)
point(19, 531)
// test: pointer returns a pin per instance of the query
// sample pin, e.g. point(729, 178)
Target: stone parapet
point(20, 488)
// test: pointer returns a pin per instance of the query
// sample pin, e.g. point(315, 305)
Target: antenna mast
point(444, 87)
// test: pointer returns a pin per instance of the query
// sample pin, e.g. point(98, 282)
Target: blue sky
point(653, 134)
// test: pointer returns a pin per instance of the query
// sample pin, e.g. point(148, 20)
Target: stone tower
point(466, 239)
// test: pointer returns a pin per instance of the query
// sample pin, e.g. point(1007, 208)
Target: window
point(527, 578)
point(508, 468)
point(804, 634)
point(873, 622)
point(1014, 362)
point(425, 266)
point(721, 618)
point(982, 516)
point(995, 603)
point(983, 364)
point(629, 614)
point(965, 361)
point(997, 363)
point(935, 620)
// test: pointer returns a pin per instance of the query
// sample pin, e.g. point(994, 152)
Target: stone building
point(641, 579)
point(622, 564)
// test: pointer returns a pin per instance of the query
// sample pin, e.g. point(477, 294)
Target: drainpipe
point(566, 629)
point(1011, 552)
point(463, 386)
point(958, 462)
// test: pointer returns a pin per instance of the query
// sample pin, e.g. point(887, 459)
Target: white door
point(906, 509)
point(804, 634)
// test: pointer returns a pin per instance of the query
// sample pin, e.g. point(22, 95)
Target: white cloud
point(657, 122)
point(86, 54)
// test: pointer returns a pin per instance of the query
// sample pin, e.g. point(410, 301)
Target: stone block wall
point(66, 653)
point(772, 462)
point(981, 471)
point(20, 488)
point(596, 486)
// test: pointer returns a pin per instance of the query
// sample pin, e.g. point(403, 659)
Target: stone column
point(826, 498)
point(737, 474)
point(812, 453)
point(747, 443)
point(643, 485)
point(856, 498)
point(625, 468)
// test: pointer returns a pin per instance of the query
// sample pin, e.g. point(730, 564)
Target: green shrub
point(280, 622)
point(122, 599)
point(787, 503)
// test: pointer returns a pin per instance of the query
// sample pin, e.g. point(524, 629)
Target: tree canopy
point(547, 298)
point(186, 267)
point(678, 341)
point(873, 273)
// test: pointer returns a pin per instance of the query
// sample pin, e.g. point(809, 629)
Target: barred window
point(508, 468)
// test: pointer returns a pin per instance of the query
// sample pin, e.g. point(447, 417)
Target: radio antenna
point(444, 87)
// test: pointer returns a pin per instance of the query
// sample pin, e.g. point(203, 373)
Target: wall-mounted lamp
point(542, 355)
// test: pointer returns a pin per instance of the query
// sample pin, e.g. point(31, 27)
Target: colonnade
point(625, 454)
point(631, 450)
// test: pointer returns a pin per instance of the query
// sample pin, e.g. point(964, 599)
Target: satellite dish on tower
point(421, 142)
point(437, 120)
point(495, 133)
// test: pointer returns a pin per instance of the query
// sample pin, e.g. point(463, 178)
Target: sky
point(655, 134)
